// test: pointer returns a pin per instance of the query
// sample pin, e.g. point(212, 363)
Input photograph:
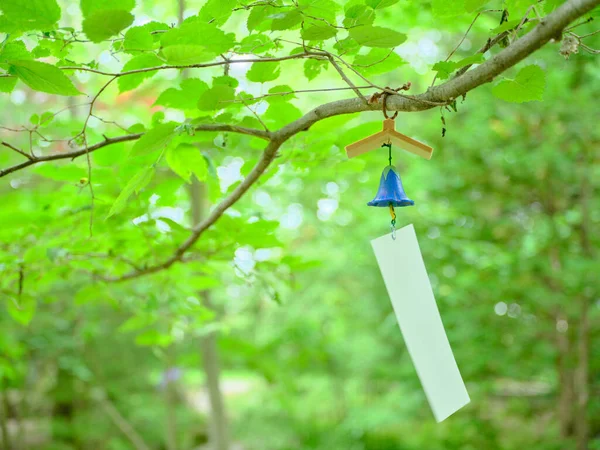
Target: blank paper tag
point(408, 286)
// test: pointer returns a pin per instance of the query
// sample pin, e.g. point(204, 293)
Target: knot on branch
point(388, 91)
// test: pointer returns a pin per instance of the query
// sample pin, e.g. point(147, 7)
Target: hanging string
point(392, 212)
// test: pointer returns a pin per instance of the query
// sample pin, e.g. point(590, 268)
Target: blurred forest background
point(280, 335)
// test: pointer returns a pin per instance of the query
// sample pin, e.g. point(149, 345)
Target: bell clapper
point(393, 222)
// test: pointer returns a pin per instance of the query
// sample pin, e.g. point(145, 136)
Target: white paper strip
point(408, 286)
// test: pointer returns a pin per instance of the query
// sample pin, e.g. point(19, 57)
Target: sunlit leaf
point(43, 77)
point(138, 182)
point(185, 160)
point(262, 72)
point(28, 15)
point(143, 61)
point(155, 139)
point(370, 36)
point(21, 308)
point(529, 85)
point(105, 23)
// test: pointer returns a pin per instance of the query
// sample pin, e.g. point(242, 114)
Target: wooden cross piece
point(389, 135)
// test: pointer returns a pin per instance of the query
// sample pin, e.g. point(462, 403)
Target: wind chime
point(391, 191)
point(405, 276)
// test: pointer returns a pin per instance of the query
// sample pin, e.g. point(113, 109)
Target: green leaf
point(282, 88)
point(313, 67)
point(103, 24)
point(186, 54)
point(281, 114)
point(135, 323)
point(529, 85)
point(196, 41)
point(255, 43)
point(138, 182)
point(474, 5)
point(359, 15)
point(257, 19)
point(15, 50)
point(155, 139)
point(517, 8)
point(285, 20)
point(262, 72)
point(322, 9)
point(88, 7)
point(185, 160)
point(219, 95)
point(369, 36)
point(377, 61)
point(138, 39)
point(153, 337)
point(446, 68)
point(185, 98)
point(509, 25)
point(143, 61)
point(7, 84)
point(19, 15)
point(217, 11)
point(380, 4)
point(445, 8)
point(318, 32)
point(43, 77)
point(22, 308)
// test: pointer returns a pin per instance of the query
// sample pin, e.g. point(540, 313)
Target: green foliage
point(285, 279)
point(528, 85)
point(264, 72)
point(218, 96)
point(43, 77)
point(18, 16)
point(377, 61)
point(143, 61)
point(318, 32)
point(185, 160)
point(446, 68)
point(154, 140)
point(217, 11)
point(184, 98)
point(369, 36)
point(21, 309)
point(138, 182)
point(103, 24)
point(194, 42)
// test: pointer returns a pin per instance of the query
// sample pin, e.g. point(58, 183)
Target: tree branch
point(193, 66)
point(547, 29)
point(125, 138)
point(12, 147)
point(266, 159)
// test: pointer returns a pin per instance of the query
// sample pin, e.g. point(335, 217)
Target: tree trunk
point(218, 432)
point(4, 412)
point(566, 399)
point(582, 377)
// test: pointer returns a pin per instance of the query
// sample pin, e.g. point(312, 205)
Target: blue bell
point(391, 192)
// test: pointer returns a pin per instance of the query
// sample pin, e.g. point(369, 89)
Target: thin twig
point(589, 34)
point(21, 152)
point(189, 66)
point(301, 91)
point(346, 79)
point(253, 112)
point(458, 45)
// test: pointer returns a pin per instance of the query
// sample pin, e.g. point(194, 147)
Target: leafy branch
point(439, 95)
